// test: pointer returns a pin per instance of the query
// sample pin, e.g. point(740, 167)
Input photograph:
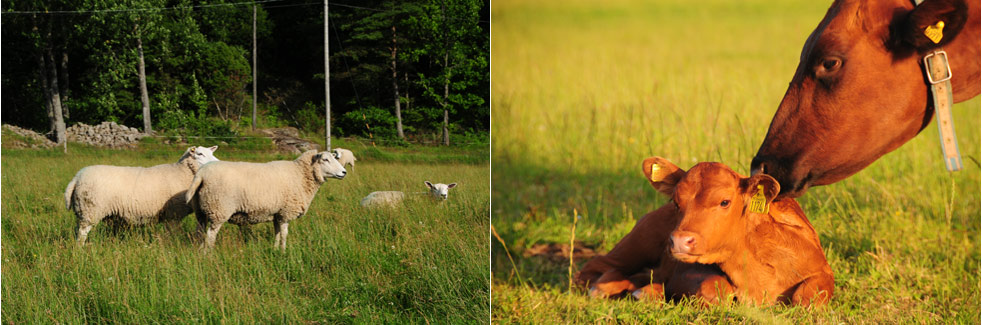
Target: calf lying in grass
point(721, 235)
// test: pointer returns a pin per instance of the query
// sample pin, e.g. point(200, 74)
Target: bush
point(177, 122)
point(307, 118)
point(382, 123)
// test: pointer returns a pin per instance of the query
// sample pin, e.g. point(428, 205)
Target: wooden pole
point(255, 74)
point(327, 80)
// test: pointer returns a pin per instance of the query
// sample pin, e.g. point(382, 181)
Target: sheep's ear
point(428, 184)
point(213, 148)
point(452, 185)
point(191, 149)
point(316, 157)
point(662, 174)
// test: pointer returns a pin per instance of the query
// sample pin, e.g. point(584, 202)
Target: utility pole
point(254, 71)
point(327, 81)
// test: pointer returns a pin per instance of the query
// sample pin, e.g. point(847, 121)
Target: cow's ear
point(761, 183)
point(934, 23)
point(662, 174)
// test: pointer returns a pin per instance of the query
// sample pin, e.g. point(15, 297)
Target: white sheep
point(345, 157)
point(438, 192)
point(248, 193)
point(133, 195)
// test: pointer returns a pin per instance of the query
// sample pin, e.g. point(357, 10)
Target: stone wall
point(106, 134)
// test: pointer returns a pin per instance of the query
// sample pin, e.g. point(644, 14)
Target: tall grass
point(584, 91)
point(344, 264)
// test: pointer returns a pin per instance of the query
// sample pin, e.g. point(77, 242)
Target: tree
point(449, 29)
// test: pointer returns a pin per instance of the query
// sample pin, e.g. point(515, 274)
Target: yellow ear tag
point(654, 173)
point(933, 32)
point(758, 203)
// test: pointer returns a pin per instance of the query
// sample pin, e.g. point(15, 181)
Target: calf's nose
point(683, 242)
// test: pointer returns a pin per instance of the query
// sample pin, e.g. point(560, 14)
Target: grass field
point(421, 264)
point(585, 90)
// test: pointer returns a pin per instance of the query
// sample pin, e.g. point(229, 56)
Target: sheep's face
point(439, 191)
point(203, 155)
point(326, 165)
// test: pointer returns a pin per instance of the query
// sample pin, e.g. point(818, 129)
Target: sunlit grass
point(584, 91)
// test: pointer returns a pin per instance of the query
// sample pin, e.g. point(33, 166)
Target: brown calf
point(707, 243)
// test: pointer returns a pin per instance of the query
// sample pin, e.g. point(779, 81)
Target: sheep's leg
point(83, 232)
point(202, 219)
point(85, 224)
point(210, 235)
point(282, 228)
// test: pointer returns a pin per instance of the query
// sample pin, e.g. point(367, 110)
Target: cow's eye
point(725, 203)
point(828, 67)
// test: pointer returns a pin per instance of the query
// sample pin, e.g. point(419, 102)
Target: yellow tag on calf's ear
point(933, 32)
point(654, 173)
point(758, 203)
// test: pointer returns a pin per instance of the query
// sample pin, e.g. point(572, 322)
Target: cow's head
point(859, 91)
point(714, 203)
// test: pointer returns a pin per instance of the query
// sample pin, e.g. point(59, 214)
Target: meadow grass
point(344, 264)
point(584, 91)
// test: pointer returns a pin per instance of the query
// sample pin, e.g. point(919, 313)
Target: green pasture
point(583, 91)
point(422, 263)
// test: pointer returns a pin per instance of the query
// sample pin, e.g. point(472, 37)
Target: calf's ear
point(934, 23)
point(662, 174)
point(761, 182)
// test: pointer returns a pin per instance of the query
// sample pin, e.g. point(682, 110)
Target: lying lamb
point(134, 195)
point(437, 192)
point(248, 193)
point(345, 157)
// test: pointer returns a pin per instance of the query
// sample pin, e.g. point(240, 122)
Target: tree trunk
point(63, 83)
point(46, 89)
point(144, 97)
point(446, 98)
point(395, 87)
point(55, 98)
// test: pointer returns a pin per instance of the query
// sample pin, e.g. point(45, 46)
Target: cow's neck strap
point(938, 72)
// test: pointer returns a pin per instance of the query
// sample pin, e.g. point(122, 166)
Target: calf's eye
point(725, 203)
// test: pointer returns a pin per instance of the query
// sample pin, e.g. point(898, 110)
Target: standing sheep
point(345, 157)
point(438, 192)
point(249, 193)
point(134, 195)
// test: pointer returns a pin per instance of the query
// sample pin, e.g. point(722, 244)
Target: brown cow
point(707, 243)
point(860, 91)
